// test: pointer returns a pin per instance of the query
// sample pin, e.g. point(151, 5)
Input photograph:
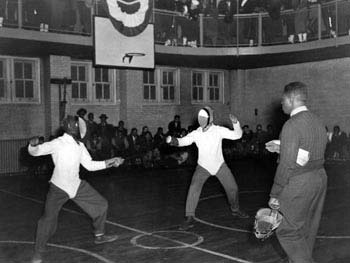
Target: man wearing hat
point(208, 139)
point(105, 132)
point(68, 153)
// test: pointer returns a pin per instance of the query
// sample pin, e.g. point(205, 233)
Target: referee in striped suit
point(300, 182)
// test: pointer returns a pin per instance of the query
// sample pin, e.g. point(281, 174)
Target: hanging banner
point(126, 37)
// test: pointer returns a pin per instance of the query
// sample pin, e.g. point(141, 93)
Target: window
point(24, 79)
point(168, 86)
point(214, 87)
point(3, 80)
point(19, 80)
point(92, 84)
point(197, 86)
point(149, 85)
point(80, 80)
point(207, 86)
point(161, 85)
point(103, 84)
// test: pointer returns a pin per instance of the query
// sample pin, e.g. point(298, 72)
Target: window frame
point(202, 73)
point(207, 87)
point(86, 65)
point(219, 87)
point(149, 85)
point(10, 81)
point(112, 86)
point(6, 78)
point(158, 76)
point(167, 86)
point(91, 86)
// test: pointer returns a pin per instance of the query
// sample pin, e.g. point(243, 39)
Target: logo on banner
point(130, 17)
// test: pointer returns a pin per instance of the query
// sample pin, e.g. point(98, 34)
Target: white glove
point(115, 162)
point(273, 146)
point(274, 203)
point(118, 161)
point(34, 141)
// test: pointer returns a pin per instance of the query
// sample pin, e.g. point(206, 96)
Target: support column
point(201, 30)
point(319, 21)
point(59, 69)
point(260, 30)
point(20, 13)
point(237, 78)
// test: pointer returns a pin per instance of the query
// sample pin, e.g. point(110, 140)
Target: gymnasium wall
point(157, 115)
point(247, 90)
point(22, 120)
point(329, 91)
point(244, 91)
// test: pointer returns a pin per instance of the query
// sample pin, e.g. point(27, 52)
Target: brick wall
point(22, 120)
point(159, 115)
point(245, 91)
point(59, 69)
point(329, 91)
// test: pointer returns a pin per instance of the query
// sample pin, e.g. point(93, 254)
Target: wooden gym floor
point(146, 208)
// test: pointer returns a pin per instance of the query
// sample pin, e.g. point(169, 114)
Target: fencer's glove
point(115, 162)
point(172, 141)
point(274, 203)
point(233, 118)
point(34, 141)
point(118, 161)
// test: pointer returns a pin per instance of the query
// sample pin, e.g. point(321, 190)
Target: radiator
point(10, 155)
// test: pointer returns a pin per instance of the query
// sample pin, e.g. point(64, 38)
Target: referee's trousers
point(301, 203)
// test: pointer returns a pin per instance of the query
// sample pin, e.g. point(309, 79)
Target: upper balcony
point(69, 22)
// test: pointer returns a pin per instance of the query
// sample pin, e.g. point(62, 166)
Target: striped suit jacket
point(306, 131)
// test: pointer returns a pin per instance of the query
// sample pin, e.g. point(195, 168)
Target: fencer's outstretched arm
point(185, 141)
point(36, 149)
point(172, 141)
point(92, 165)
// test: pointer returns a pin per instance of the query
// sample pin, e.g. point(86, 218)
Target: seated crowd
point(103, 141)
point(144, 149)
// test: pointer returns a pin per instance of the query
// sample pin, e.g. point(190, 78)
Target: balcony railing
point(318, 21)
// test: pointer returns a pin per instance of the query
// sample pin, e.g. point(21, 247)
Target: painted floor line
point(200, 239)
point(251, 232)
point(83, 251)
point(138, 231)
point(221, 195)
point(222, 227)
point(146, 233)
point(256, 192)
point(333, 237)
